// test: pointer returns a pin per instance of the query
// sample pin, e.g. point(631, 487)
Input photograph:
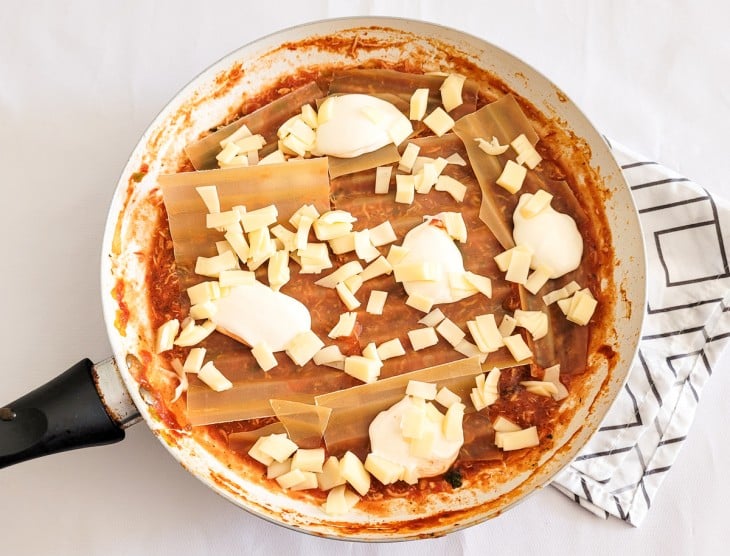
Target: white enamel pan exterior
point(194, 109)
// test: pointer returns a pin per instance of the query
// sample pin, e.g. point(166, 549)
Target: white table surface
point(79, 82)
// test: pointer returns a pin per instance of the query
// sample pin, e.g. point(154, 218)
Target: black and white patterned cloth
point(687, 325)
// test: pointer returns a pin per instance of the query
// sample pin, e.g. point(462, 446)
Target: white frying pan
point(92, 404)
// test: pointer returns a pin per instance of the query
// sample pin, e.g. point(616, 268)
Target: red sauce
point(515, 402)
point(122, 314)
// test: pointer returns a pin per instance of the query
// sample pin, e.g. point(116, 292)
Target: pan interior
point(205, 102)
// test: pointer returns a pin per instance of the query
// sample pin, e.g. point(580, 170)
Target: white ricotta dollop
point(387, 441)
point(356, 124)
point(552, 236)
point(254, 313)
point(428, 243)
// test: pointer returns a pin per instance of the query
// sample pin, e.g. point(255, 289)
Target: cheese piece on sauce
point(213, 266)
point(214, 378)
point(166, 335)
point(344, 327)
point(353, 283)
point(354, 472)
point(383, 470)
point(203, 292)
point(204, 311)
point(340, 275)
point(525, 438)
point(255, 314)
point(450, 331)
point(340, 500)
point(552, 374)
point(264, 356)
point(517, 347)
point(451, 91)
point(377, 268)
point(422, 338)
point(405, 189)
point(409, 157)
point(330, 476)
point(433, 318)
point(311, 459)
point(536, 322)
point(376, 302)
point(419, 302)
point(278, 270)
point(303, 347)
point(277, 469)
point(194, 360)
point(486, 391)
point(538, 279)
point(292, 478)
point(561, 293)
point(362, 368)
point(329, 354)
point(382, 179)
point(382, 234)
point(347, 297)
point(391, 348)
point(540, 387)
point(453, 187)
point(278, 447)
point(192, 334)
point(582, 307)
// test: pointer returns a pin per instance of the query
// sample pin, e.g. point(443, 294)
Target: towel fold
point(686, 327)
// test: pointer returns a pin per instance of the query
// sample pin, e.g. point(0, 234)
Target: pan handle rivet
point(6, 414)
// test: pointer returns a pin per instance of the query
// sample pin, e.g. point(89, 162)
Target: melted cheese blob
point(429, 243)
point(553, 237)
point(387, 441)
point(356, 124)
point(255, 313)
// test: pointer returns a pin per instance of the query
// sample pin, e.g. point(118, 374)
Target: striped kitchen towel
point(687, 325)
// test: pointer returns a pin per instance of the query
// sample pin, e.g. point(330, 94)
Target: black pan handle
point(66, 413)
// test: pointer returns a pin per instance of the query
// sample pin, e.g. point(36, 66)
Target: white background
point(80, 81)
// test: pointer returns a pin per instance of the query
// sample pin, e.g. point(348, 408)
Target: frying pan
point(93, 404)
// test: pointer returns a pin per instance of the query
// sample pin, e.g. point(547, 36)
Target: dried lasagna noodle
point(248, 399)
point(304, 423)
point(565, 343)
point(504, 120)
point(479, 439)
point(288, 186)
point(354, 409)
point(382, 157)
point(265, 121)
